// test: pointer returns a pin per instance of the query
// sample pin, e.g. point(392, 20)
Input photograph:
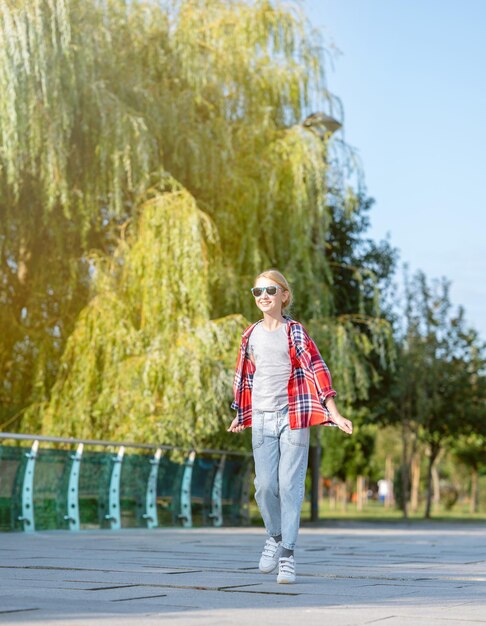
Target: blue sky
point(411, 75)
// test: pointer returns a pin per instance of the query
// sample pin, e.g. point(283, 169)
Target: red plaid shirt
point(309, 384)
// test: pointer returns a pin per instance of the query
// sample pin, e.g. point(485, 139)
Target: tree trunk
point(473, 505)
point(404, 470)
point(344, 495)
point(359, 492)
point(389, 498)
point(436, 481)
point(414, 498)
point(434, 450)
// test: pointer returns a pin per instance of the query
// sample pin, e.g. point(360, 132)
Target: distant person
point(383, 490)
point(282, 386)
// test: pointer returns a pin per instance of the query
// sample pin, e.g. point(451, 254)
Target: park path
point(348, 574)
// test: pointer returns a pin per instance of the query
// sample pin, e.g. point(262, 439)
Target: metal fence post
point(27, 516)
point(186, 511)
point(217, 494)
point(72, 515)
point(114, 514)
point(151, 497)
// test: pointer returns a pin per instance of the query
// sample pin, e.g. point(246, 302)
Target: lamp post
point(323, 126)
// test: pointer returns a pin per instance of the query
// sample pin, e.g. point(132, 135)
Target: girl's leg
point(294, 452)
point(266, 454)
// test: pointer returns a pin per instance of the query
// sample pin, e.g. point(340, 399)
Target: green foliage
point(470, 450)
point(144, 361)
point(444, 359)
point(349, 457)
point(438, 391)
point(154, 161)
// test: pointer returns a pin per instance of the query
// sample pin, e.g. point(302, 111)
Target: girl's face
point(270, 304)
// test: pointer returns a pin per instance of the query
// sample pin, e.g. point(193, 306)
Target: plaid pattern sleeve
point(237, 379)
point(243, 381)
point(322, 375)
point(315, 370)
point(314, 365)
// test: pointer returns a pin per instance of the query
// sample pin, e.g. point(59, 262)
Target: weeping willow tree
point(153, 161)
point(144, 359)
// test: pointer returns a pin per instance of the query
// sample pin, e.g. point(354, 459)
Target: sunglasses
point(271, 290)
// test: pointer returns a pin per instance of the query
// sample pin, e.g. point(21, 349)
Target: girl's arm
point(235, 426)
point(323, 380)
point(343, 423)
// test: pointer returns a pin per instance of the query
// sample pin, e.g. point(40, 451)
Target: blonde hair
point(280, 279)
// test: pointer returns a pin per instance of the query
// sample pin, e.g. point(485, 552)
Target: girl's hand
point(343, 423)
point(235, 427)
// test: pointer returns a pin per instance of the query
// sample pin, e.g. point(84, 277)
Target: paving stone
point(347, 576)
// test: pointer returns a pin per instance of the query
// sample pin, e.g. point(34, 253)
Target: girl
point(282, 387)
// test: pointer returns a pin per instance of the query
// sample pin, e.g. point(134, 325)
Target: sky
point(412, 80)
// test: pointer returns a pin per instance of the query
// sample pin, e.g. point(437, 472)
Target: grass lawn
point(375, 511)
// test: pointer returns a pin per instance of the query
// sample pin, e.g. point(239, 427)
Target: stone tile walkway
point(348, 574)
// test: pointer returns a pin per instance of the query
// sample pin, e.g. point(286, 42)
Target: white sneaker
point(286, 569)
point(269, 559)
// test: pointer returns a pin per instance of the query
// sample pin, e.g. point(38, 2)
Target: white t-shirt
point(270, 350)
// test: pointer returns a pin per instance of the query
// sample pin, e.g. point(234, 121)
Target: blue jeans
point(280, 455)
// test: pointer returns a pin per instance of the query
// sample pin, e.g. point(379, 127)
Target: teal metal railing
point(81, 484)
